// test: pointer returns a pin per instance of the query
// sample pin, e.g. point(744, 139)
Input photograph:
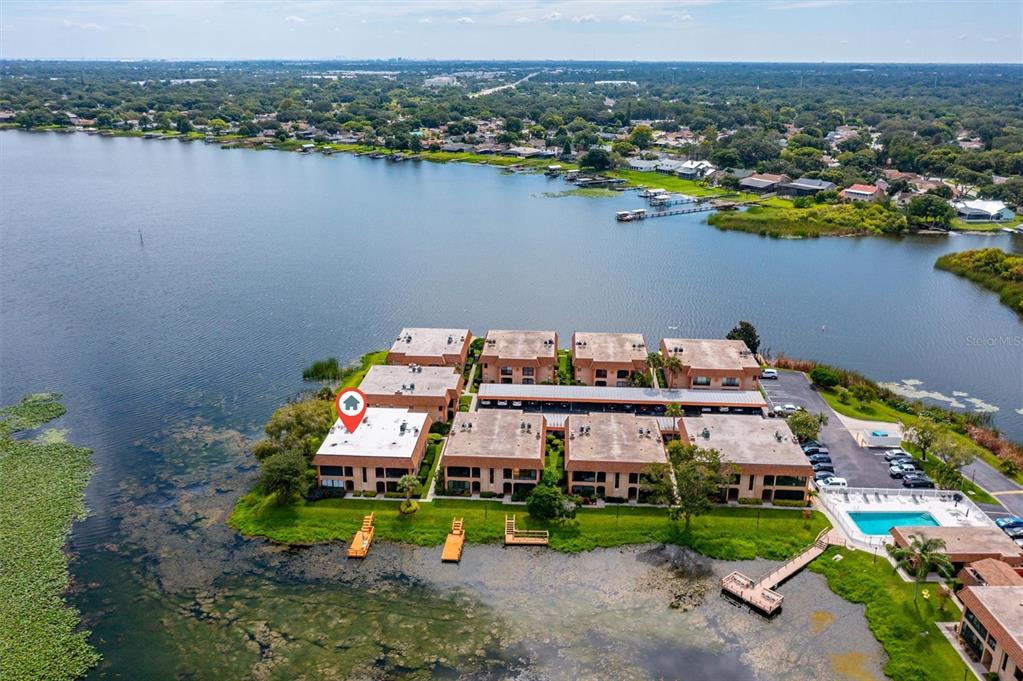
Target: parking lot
point(861, 467)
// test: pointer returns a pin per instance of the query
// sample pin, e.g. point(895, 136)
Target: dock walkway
point(362, 539)
point(517, 537)
point(452, 552)
point(760, 594)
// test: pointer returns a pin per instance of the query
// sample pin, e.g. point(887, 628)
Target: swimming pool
point(879, 523)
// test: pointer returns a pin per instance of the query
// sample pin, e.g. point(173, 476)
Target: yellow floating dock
point(516, 537)
point(452, 552)
point(362, 539)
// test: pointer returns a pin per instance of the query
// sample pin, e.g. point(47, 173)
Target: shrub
point(357, 493)
point(751, 501)
point(325, 370)
point(408, 507)
point(317, 493)
point(616, 500)
point(520, 494)
point(394, 495)
point(369, 493)
point(441, 428)
point(791, 503)
point(488, 495)
point(824, 377)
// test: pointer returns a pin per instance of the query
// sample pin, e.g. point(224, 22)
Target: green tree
point(825, 377)
point(409, 484)
point(301, 426)
point(920, 558)
point(690, 482)
point(672, 366)
point(596, 158)
point(924, 435)
point(641, 136)
point(929, 210)
point(953, 455)
point(674, 410)
point(747, 333)
point(549, 503)
point(284, 475)
point(806, 426)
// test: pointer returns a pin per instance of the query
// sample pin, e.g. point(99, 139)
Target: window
point(623, 373)
point(633, 478)
point(364, 475)
point(349, 471)
point(600, 384)
point(529, 474)
point(973, 644)
point(395, 472)
point(601, 476)
point(1018, 675)
point(600, 373)
point(790, 481)
point(334, 471)
point(527, 381)
point(458, 471)
point(475, 472)
point(972, 619)
point(458, 485)
point(583, 490)
point(622, 384)
point(507, 472)
point(617, 479)
point(752, 479)
point(730, 382)
point(379, 472)
point(583, 476)
point(768, 480)
point(528, 371)
point(506, 371)
point(701, 380)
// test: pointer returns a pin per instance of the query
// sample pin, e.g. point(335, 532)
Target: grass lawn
point(962, 225)
point(916, 650)
point(879, 411)
point(670, 183)
point(725, 533)
point(463, 402)
point(369, 359)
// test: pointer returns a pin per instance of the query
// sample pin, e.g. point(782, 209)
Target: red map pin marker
point(351, 407)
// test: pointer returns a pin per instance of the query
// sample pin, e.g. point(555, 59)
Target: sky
point(694, 30)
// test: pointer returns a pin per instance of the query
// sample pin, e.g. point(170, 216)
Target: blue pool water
point(879, 523)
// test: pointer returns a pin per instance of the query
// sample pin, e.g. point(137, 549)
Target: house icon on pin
point(351, 403)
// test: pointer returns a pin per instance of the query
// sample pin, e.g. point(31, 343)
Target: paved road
point(862, 467)
point(999, 486)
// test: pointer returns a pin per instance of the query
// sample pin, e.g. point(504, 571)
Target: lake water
point(172, 352)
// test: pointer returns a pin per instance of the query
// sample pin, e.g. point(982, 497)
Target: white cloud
point(80, 26)
point(294, 19)
point(963, 36)
point(553, 16)
point(585, 19)
point(629, 19)
point(989, 39)
point(682, 17)
point(523, 20)
point(844, 41)
point(424, 20)
point(465, 20)
point(807, 4)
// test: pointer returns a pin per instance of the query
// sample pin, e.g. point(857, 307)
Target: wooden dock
point(516, 537)
point(362, 539)
point(760, 594)
point(452, 552)
point(703, 207)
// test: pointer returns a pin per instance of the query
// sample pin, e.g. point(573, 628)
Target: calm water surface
point(172, 352)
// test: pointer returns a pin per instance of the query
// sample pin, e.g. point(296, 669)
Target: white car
point(786, 409)
point(833, 483)
point(769, 373)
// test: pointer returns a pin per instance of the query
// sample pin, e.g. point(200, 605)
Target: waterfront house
point(641, 164)
point(710, 364)
point(388, 444)
point(668, 166)
point(494, 450)
point(433, 390)
point(862, 192)
point(966, 544)
point(763, 183)
point(982, 211)
point(769, 464)
point(431, 347)
point(519, 357)
point(805, 186)
point(605, 453)
point(991, 629)
point(695, 170)
point(603, 359)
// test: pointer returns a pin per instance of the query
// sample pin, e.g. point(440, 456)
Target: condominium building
point(525, 357)
point(605, 453)
point(433, 390)
point(991, 629)
point(608, 359)
point(431, 347)
point(388, 444)
point(709, 364)
point(495, 450)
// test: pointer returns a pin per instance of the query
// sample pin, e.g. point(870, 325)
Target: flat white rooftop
point(614, 438)
point(746, 439)
point(588, 393)
point(609, 347)
point(383, 432)
point(521, 344)
point(429, 342)
point(399, 379)
point(496, 433)
point(709, 353)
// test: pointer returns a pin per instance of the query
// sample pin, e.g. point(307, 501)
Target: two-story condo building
point(431, 347)
point(710, 364)
point(769, 464)
point(991, 629)
point(525, 357)
point(388, 444)
point(605, 453)
point(608, 359)
point(433, 390)
point(494, 450)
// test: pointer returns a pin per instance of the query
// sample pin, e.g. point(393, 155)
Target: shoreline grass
point(992, 269)
point(725, 533)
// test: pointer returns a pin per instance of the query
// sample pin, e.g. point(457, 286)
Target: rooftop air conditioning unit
point(706, 433)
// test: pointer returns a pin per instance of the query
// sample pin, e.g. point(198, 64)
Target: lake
point(172, 349)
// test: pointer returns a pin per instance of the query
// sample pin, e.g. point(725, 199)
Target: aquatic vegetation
point(916, 649)
point(990, 268)
point(587, 192)
point(324, 370)
point(819, 220)
point(44, 483)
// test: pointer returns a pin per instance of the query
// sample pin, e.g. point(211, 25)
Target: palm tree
point(409, 484)
point(920, 558)
point(654, 361)
point(674, 410)
point(673, 365)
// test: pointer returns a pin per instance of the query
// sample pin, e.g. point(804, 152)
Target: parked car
point(769, 374)
point(895, 453)
point(1009, 521)
point(810, 443)
point(818, 458)
point(917, 481)
point(817, 467)
point(1014, 532)
point(816, 449)
point(833, 483)
point(786, 409)
point(823, 475)
point(900, 470)
point(901, 459)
